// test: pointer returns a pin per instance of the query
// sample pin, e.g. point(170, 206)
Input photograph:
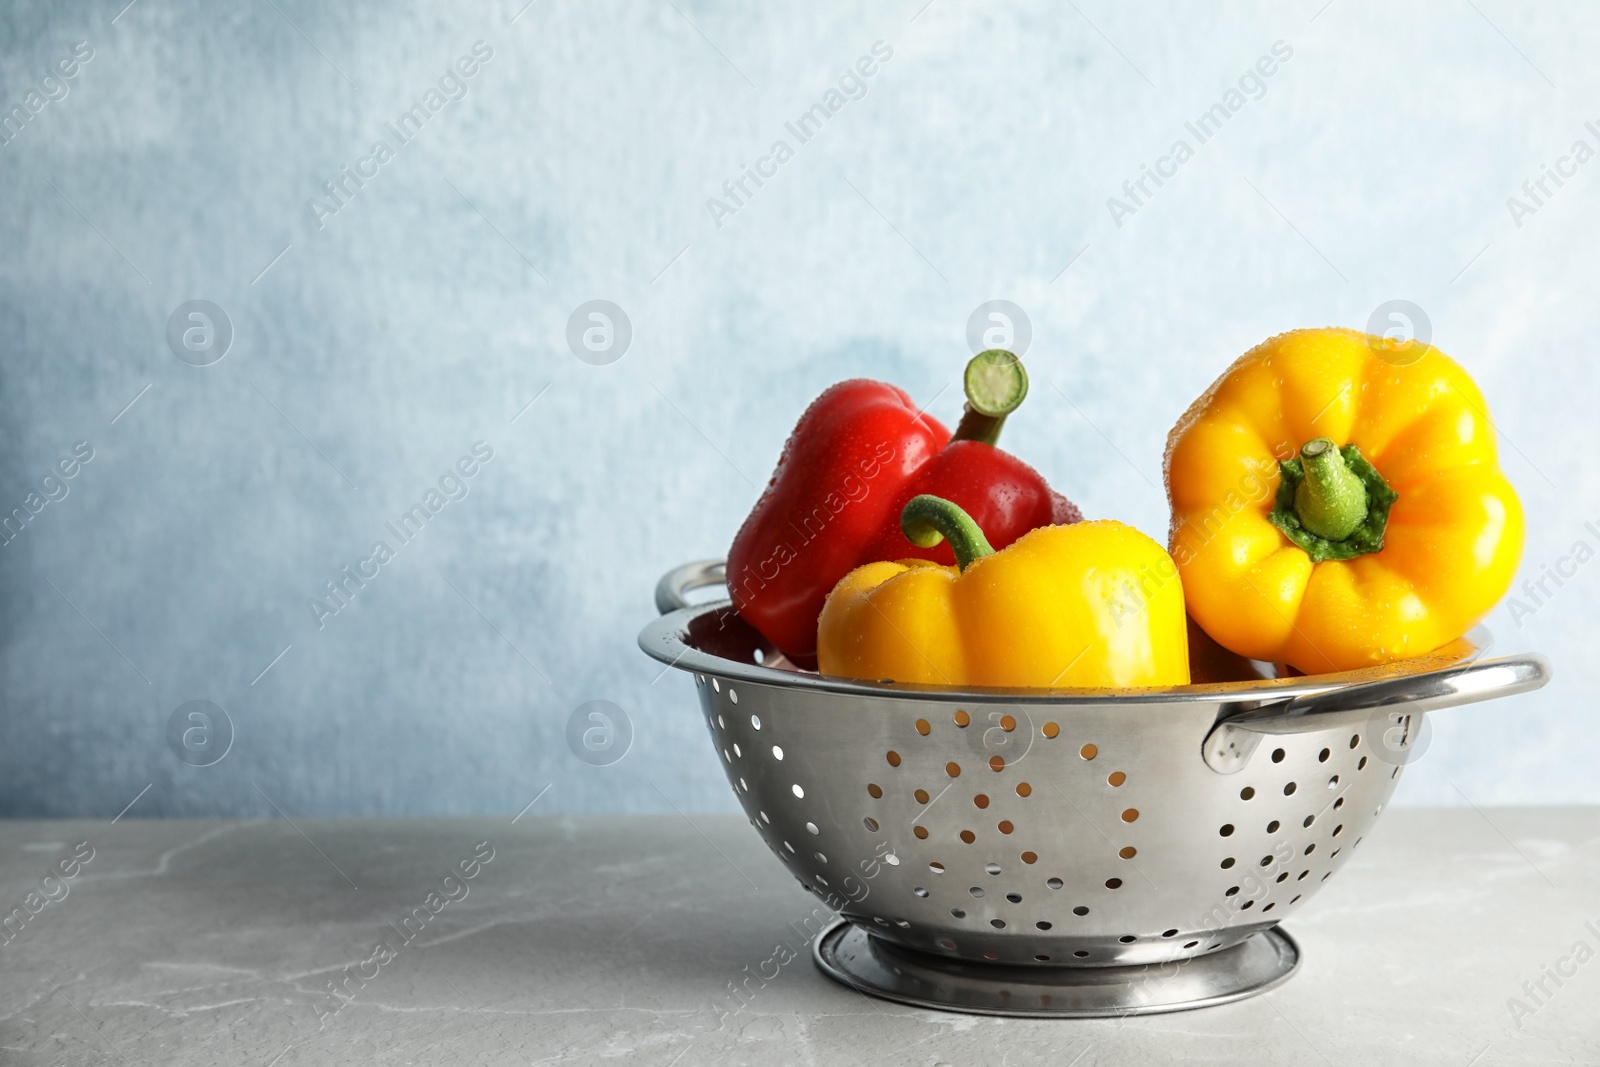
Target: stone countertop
point(618, 940)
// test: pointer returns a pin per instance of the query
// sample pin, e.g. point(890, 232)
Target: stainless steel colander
point(1059, 852)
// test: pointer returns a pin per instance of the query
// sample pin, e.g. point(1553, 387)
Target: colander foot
point(852, 956)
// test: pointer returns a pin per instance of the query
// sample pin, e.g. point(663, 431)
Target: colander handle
point(673, 588)
point(1232, 741)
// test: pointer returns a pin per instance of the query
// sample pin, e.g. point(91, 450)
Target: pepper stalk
point(926, 520)
point(995, 384)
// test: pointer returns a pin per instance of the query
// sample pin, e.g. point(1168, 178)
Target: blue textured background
point(425, 314)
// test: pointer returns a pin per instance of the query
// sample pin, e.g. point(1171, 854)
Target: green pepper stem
point(928, 519)
point(995, 382)
point(1332, 501)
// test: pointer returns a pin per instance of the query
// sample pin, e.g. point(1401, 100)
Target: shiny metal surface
point(1058, 828)
point(850, 955)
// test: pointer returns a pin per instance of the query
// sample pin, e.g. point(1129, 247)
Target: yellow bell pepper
point(1337, 502)
point(1087, 604)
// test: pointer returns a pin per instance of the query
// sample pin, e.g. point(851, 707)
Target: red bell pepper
point(859, 453)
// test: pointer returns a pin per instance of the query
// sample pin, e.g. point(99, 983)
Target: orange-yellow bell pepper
point(1337, 502)
point(1090, 604)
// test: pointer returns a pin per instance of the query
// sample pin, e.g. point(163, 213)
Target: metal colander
point(1037, 851)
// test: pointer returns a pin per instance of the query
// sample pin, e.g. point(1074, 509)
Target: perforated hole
point(1247, 905)
point(1337, 830)
point(968, 836)
point(1226, 829)
point(1080, 910)
point(1113, 883)
point(874, 791)
point(936, 868)
point(992, 868)
point(1309, 819)
point(997, 763)
point(1266, 861)
point(1088, 751)
point(733, 696)
point(1127, 852)
point(777, 754)
point(1015, 898)
point(981, 800)
point(962, 718)
point(1296, 897)
point(998, 924)
point(1361, 764)
point(811, 828)
point(737, 751)
point(870, 823)
point(788, 846)
point(716, 685)
point(1309, 849)
point(1232, 890)
point(1272, 827)
point(1268, 906)
point(921, 795)
point(1247, 792)
point(921, 832)
point(1054, 883)
point(1005, 826)
point(1277, 755)
point(1051, 730)
point(1322, 757)
point(1169, 933)
point(960, 913)
point(953, 769)
point(919, 891)
point(755, 722)
point(798, 791)
point(1130, 815)
point(1333, 783)
point(1116, 778)
point(820, 857)
point(1289, 789)
point(1007, 723)
point(1282, 877)
point(923, 728)
point(946, 944)
point(764, 817)
point(1191, 944)
point(1355, 739)
point(1127, 939)
point(893, 757)
point(976, 890)
point(1227, 863)
point(1043, 925)
point(1024, 789)
point(1030, 857)
point(1042, 958)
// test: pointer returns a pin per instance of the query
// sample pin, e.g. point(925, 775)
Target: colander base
point(852, 956)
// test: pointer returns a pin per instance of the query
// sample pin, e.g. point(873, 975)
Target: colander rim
point(666, 640)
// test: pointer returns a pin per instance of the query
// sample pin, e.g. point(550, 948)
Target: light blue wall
point(432, 307)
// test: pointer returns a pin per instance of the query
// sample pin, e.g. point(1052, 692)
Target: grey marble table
point(618, 941)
